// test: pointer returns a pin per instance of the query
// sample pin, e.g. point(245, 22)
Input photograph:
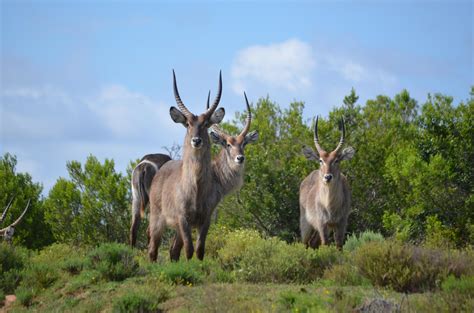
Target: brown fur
point(325, 197)
point(179, 193)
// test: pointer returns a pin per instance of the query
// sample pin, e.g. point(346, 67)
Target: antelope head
point(197, 125)
point(329, 161)
point(234, 145)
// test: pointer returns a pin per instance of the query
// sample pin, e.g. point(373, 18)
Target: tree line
point(411, 177)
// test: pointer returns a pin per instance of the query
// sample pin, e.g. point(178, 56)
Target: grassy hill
point(242, 272)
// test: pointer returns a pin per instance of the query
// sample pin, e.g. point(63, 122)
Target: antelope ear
point(251, 137)
point(217, 116)
point(347, 154)
point(217, 139)
point(177, 116)
point(310, 154)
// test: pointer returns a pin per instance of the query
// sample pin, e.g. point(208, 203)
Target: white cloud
point(358, 72)
point(285, 65)
point(127, 113)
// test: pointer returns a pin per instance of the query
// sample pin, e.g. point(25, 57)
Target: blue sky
point(94, 77)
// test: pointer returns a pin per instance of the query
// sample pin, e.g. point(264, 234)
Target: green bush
point(12, 261)
point(354, 241)
point(74, 265)
point(182, 272)
point(345, 275)
point(114, 262)
point(25, 295)
point(255, 259)
point(40, 275)
point(458, 293)
point(216, 240)
point(407, 268)
point(144, 299)
point(462, 286)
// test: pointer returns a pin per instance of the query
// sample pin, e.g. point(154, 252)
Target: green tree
point(92, 206)
point(275, 167)
point(32, 231)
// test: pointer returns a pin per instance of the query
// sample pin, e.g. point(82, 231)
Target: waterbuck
point(7, 232)
point(142, 176)
point(227, 168)
point(180, 189)
point(325, 197)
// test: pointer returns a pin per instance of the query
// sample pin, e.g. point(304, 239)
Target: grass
point(246, 272)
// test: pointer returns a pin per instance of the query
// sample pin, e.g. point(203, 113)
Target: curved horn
point(316, 138)
point(211, 110)
point(4, 214)
point(18, 219)
point(180, 103)
point(341, 141)
point(249, 118)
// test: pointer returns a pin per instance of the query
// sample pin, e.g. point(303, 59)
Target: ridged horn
point(179, 102)
point(249, 118)
point(211, 110)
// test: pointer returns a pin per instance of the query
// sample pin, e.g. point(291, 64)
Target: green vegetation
point(290, 277)
point(411, 230)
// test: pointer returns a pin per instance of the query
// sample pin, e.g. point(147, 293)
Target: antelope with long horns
point(7, 232)
point(179, 192)
point(227, 167)
point(325, 197)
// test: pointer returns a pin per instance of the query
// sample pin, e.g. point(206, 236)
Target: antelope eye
point(321, 161)
point(228, 145)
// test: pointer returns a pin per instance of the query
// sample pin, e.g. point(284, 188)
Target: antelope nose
point(196, 141)
point(328, 177)
point(240, 158)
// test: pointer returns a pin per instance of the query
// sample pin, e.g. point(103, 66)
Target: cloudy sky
point(95, 77)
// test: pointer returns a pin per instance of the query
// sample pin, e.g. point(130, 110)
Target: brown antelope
point(227, 170)
point(227, 167)
point(325, 197)
point(180, 189)
point(142, 177)
point(7, 232)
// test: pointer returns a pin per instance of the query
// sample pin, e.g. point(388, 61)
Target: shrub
point(25, 295)
point(407, 268)
point(345, 275)
point(462, 286)
point(114, 262)
point(74, 265)
point(12, 261)
point(255, 259)
point(354, 241)
point(182, 272)
point(143, 299)
point(458, 293)
point(39, 275)
point(216, 240)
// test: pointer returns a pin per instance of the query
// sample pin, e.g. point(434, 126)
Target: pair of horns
point(4, 214)
point(185, 110)
point(244, 131)
point(341, 140)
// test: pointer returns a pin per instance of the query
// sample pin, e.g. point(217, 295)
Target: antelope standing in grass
point(325, 197)
point(179, 192)
point(227, 167)
point(7, 232)
point(142, 176)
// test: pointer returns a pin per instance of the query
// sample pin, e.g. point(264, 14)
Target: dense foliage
point(90, 207)
point(411, 177)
